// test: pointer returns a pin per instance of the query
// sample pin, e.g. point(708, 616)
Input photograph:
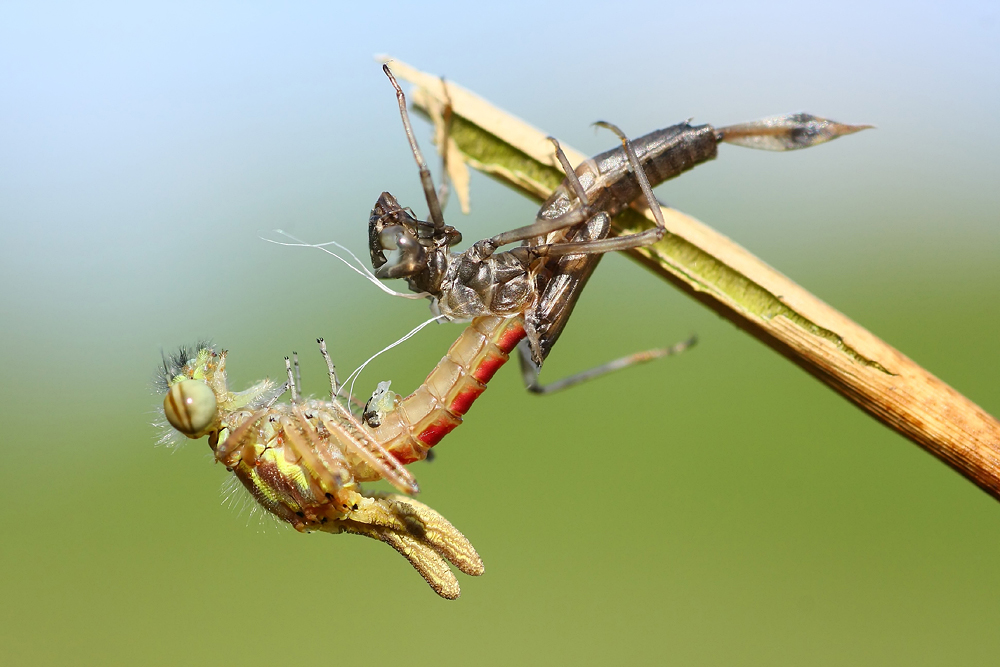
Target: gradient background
point(718, 508)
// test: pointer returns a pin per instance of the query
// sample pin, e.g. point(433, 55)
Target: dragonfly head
point(190, 378)
point(190, 407)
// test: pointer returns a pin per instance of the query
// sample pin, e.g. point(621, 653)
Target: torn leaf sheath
point(739, 286)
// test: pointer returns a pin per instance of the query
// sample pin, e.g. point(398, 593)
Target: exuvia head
point(391, 227)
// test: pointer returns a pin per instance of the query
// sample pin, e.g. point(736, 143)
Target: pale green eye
point(190, 407)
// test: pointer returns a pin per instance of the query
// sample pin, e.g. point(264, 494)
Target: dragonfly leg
point(334, 380)
point(627, 242)
point(647, 190)
point(529, 369)
point(574, 180)
point(433, 205)
point(331, 369)
point(298, 374)
point(542, 226)
point(637, 240)
point(291, 380)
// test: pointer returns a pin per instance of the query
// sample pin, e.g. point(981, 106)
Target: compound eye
point(190, 407)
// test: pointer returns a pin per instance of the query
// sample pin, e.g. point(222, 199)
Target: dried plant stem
point(725, 277)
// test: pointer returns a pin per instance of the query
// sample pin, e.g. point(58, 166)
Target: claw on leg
point(417, 532)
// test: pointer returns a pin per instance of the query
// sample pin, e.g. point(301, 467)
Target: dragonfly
point(304, 460)
point(543, 278)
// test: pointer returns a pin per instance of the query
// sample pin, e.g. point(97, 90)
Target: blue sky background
point(129, 131)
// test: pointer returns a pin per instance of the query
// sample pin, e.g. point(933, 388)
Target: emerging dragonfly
point(542, 279)
point(304, 461)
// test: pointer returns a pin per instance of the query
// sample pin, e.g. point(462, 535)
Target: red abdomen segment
point(420, 420)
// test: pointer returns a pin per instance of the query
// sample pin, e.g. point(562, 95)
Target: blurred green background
point(722, 507)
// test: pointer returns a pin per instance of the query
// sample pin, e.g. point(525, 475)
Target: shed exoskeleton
point(543, 278)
